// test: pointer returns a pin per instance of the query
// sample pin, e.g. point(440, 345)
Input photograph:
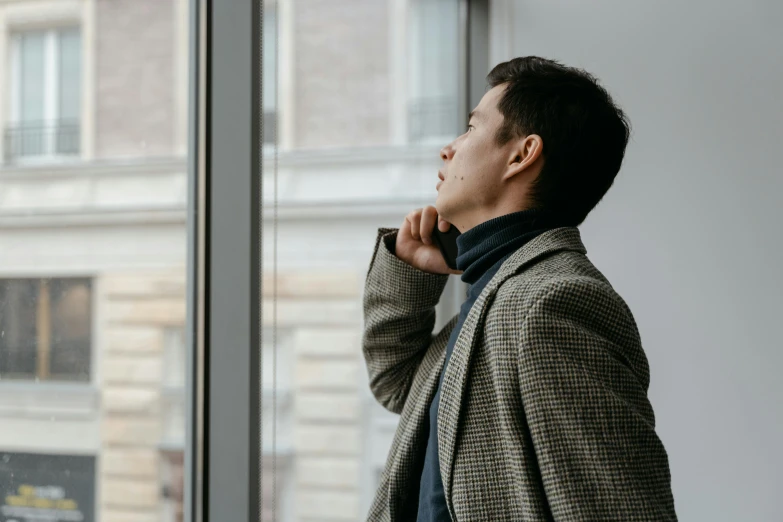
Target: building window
point(45, 329)
point(45, 87)
point(433, 75)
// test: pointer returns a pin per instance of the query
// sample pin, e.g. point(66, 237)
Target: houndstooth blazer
point(543, 412)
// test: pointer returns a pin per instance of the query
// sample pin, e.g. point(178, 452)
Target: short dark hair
point(584, 132)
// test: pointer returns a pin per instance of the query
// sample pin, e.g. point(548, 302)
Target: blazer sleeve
point(583, 379)
point(399, 316)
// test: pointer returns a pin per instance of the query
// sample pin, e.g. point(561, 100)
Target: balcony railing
point(41, 140)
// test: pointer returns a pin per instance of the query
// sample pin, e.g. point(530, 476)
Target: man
point(530, 404)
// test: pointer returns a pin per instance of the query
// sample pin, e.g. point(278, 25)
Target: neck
point(479, 216)
point(490, 242)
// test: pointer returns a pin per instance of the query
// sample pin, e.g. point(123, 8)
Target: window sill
point(29, 399)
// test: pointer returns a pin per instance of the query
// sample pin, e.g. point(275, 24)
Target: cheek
point(469, 156)
point(476, 160)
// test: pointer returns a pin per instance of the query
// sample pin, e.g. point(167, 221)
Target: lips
point(441, 176)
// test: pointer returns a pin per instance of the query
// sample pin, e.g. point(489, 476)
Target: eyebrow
point(474, 113)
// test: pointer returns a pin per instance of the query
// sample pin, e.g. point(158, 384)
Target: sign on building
point(54, 488)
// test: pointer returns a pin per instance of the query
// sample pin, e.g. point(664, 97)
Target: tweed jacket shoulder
point(543, 412)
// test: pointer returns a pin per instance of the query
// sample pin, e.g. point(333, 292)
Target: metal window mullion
point(195, 333)
point(232, 257)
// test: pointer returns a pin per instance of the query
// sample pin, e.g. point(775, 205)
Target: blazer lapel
point(455, 379)
point(410, 437)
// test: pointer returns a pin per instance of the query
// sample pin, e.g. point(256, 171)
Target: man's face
point(473, 165)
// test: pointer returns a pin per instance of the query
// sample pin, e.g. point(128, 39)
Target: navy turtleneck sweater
point(480, 253)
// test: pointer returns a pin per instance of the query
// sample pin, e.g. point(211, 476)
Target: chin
point(441, 205)
point(438, 204)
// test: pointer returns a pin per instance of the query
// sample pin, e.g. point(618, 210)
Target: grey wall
point(690, 234)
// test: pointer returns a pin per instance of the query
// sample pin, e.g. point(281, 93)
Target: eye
point(470, 127)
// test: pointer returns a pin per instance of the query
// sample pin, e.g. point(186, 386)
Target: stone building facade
point(97, 193)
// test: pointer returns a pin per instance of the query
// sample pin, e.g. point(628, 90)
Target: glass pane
point(93, 266)
point(18, 328)
point(32, 78)
point(361, 84)
point(67, 125)
point(26, 136)
point(70, 68)
point(71, 328)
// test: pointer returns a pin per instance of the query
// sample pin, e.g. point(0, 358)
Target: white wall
point(690, 234)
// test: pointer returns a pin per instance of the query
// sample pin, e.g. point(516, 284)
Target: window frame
point(223, 332)
point(224, 280)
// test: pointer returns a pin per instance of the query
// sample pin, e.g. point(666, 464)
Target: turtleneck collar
point(484, 245)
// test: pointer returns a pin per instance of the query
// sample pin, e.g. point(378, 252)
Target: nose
point(447, 152)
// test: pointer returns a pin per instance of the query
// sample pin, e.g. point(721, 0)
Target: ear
point(524, 156)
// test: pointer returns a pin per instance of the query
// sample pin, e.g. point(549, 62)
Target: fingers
point(422, 222)
point(428, 217)
point(415, 220)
